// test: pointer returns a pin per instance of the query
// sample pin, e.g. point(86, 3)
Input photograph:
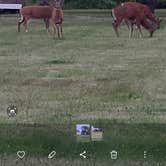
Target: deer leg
point(25, 24)
point(61, 30)
point(20, 22)
point(54, 27)
point(138, 24)
point(131, 31)
point(127, 23)
point(46, 24)
point(151, 33)
point(140, 31)
point(57, 27)
point(129, 26)
point(116, 31)
point(116, 24)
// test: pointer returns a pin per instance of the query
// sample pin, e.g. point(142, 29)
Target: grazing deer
point(135, 14)
point(35, 12)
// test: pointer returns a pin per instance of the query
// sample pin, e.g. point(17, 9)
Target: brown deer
point(55, 13)
point(35, 12)
point(57, 18)
point(135, 13)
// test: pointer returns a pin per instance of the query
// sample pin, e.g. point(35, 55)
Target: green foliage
point(86, 4)
point(102, 4)
point(93, 4)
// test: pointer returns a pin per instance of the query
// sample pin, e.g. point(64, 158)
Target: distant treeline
point(96, 4)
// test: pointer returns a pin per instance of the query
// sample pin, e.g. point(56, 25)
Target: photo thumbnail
point(87, 133)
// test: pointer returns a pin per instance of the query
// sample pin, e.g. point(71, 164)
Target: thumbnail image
point(96, 134)
point(83, 129)
point(87, 133)
point(83, 132)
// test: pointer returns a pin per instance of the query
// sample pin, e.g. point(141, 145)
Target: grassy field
point(89, 76)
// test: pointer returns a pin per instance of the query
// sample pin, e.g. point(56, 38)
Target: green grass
point(89, 72)
point(129, 140)
point(89, 76)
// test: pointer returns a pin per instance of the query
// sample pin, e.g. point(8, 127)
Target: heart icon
point(21, 154)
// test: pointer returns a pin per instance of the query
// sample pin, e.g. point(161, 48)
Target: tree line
point(97, 4)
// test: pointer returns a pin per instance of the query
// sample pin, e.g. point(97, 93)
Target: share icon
point(83, 154)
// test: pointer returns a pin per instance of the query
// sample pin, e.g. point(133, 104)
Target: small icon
point(51, 155)
point(83, 154)
point(145, 154)
point(12, 111)
point(21, 154)
point(114, 155)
